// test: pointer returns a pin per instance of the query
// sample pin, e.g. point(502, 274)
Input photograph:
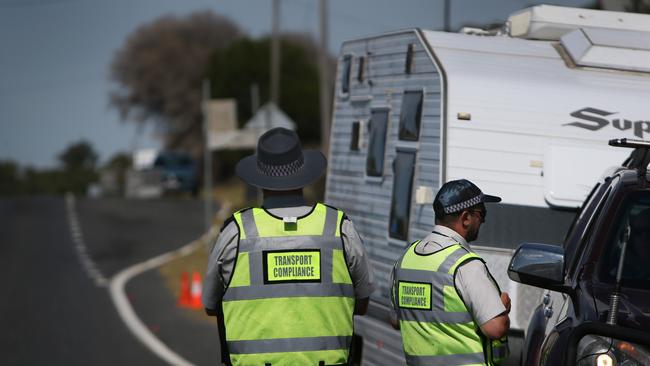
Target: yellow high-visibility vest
point(436, 327)
point(290, 300)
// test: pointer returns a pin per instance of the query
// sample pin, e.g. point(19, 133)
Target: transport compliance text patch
point(292, 266)
point(414, 295)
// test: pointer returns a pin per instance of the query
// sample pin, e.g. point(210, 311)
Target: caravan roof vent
point(607, 48)
point(547, 22)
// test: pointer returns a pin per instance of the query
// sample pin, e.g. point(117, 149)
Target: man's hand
point(361, 306)
point(505, 299)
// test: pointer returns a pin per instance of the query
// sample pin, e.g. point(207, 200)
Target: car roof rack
point(639, 158)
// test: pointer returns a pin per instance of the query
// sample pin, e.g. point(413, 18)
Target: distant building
point(268, 116)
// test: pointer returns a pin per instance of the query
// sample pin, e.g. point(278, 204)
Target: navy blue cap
point(457, 195)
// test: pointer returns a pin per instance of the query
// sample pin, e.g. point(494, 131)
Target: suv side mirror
point(540, 265)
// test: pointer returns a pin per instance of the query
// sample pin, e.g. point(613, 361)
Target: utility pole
point(255, 98)
point(325, 101)
point(275, 61)
point(275, 54)
point(207, 160)
point(447, 13)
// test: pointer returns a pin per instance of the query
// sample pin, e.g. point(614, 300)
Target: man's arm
point(498, 326)
point(220, 267)
point(482, 299)
point(360, 270)
point(394, 322)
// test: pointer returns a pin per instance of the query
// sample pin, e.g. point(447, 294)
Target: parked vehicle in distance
point(178, 172)
point(596, 310)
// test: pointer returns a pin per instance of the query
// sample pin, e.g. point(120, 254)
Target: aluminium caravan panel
point(523, 97)
point(367, 200)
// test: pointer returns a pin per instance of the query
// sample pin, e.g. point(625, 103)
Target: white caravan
point(525, 112)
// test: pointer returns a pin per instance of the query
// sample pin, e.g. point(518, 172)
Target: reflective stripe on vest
point(290, 300)
point(436, 327)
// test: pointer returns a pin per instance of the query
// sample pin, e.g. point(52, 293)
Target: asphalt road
point(51, 312)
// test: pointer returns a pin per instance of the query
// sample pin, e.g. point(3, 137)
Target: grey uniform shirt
point(223, 254)
point(473, 282)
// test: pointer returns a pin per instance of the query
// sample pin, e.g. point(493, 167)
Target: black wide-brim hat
point(280, 164)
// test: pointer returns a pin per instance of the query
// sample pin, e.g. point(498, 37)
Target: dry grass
point(231, 196)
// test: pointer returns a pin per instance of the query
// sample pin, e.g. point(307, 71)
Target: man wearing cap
point(285, 279)
point(446, 303)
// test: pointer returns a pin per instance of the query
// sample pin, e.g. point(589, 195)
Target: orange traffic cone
point(185, 297)
point(195, 292)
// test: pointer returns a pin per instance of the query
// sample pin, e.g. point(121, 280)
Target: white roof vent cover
point(548, 22)
point(608, 48)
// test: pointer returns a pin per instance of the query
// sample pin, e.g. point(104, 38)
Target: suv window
point(573, 240)
point(632, 233)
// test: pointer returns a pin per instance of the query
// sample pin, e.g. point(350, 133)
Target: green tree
point(79, 155)
point(46, 181)
point(78, 163)
point(119, 164)
point(10, 181)
point(159, 70)
point(234, 70)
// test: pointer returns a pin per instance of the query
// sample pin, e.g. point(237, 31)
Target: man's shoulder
point(344, 219)
point(333, 207)
point(228, 222)
point(432, 243)
point(473, 263)
point(231, 221)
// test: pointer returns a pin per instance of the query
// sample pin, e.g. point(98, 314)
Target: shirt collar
point(445, 231)
point(284, 201)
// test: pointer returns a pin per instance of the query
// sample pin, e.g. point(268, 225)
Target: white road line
point(118, 282)
point(80, 245)
point(128, 315)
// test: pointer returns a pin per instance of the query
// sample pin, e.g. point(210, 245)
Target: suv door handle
point(548, 311)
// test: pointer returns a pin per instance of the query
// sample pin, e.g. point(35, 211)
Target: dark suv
point(178, 172)
point(597, 307)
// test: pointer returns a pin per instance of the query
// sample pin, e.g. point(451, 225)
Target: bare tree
point(159, 69)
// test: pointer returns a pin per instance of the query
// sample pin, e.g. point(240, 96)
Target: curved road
point(51, 312)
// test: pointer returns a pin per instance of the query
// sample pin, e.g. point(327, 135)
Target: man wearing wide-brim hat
point(448, 307)
point(286, 278)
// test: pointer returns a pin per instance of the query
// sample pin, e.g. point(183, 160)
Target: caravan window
point(409, 120)
point(345, 74)
point(377, 143)
point(408, 65)
point(360, 70)
point(400, 207)
point(354, 136)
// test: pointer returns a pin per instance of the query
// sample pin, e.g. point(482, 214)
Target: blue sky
point(55, 57)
